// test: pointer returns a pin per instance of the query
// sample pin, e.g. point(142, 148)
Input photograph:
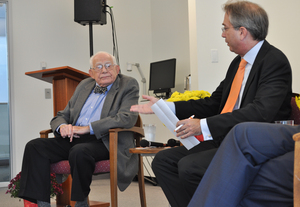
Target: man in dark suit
point(253, 167)
point(81, 134)
point(264, 96)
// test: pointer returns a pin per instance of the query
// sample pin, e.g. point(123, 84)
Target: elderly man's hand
point(67, 130)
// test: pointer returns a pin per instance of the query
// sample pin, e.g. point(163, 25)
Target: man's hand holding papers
point(165, 114)
point(188, 127)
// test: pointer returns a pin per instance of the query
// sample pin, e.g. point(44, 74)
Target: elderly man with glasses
point(81, 134)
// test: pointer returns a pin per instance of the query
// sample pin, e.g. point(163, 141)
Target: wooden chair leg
point(114, 192)
point(141, 181)
point(65, 198)
point(113, 143)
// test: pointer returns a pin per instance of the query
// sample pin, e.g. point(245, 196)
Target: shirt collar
point(251, 54)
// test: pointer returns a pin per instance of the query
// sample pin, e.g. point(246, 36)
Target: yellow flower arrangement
point(188, 95)
point(297, 100)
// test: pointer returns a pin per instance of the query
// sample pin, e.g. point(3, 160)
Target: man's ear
point(91, 73)
point(118, 68)
point(243, 32)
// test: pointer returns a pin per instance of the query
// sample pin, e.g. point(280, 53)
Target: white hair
point(102, 52)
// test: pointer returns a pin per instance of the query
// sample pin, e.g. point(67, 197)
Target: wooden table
point(147, 151)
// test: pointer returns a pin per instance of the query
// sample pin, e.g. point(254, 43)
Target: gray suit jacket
point(115, 113)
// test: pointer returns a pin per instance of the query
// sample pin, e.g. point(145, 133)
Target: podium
point(64, 81)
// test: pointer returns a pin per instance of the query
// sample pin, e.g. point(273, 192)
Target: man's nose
point(223, 34)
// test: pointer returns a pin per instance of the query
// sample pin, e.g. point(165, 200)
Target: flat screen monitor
point(162, 76)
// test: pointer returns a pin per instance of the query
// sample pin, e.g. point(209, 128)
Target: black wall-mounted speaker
point(90, 11)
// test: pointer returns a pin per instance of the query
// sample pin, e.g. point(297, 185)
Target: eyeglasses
point(226, 28)
point(99, 68)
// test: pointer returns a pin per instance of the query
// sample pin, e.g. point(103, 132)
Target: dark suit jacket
point(266, 96)
point(115, 113)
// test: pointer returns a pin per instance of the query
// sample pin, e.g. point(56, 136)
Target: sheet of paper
point(166, 116)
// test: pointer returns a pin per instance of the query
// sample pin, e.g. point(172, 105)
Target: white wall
point(46, 31)
point(283, 34)
point(170, 37)
point(147, 31)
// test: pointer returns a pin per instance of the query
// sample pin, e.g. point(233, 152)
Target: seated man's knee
point(158, 161)
point(164, 161)
point(184, 170)
point(77, 152)
point(240, 132)
point(192, 168)
point(240, 128)
point(188, 170)
point(35, 143)
point(189, 176)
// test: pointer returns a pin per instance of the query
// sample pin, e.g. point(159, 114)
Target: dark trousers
point(179, 171)
point(39, 153)
point(252, 167)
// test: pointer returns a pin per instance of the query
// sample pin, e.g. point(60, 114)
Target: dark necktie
point(100, 90)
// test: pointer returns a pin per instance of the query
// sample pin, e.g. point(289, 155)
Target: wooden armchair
point(110, 165)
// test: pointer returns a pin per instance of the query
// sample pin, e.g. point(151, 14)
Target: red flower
point(14, 186)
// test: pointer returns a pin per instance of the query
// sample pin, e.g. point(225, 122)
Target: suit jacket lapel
point(256, 65)
point(109, 98)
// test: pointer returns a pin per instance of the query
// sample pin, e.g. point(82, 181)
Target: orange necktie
point(234, 92)
point(235, 88)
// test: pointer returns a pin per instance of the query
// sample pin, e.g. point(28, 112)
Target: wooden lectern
point(64, 81)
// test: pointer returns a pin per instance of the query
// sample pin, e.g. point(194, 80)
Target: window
point(5, 169)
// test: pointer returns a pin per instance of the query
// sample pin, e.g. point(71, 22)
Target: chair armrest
point(45, 133)
point(139, 133)
point(296, 137)
point(138, 130)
